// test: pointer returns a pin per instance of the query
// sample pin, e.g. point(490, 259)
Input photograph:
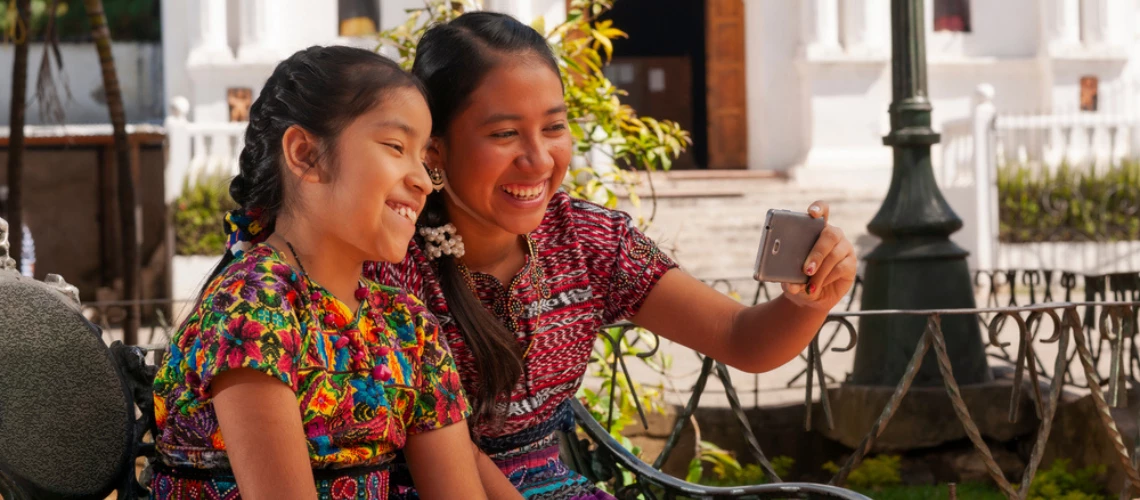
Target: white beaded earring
point(442, 241)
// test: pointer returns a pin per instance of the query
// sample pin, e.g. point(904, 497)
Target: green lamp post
point(915, 266)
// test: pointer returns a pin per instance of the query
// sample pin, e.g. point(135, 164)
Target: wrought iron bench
point(76, 415)
point(73, 411)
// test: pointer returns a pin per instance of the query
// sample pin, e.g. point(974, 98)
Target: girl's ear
point(301, 150)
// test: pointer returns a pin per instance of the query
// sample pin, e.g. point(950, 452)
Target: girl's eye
point(397, 147)
point(558, 127)
point(504, 135)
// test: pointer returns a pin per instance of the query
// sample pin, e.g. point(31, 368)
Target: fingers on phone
point(819, 209)
point(824, 246)
point(830, 271)
point(845, 269)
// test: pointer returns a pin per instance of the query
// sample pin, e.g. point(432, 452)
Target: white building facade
point(817, 71)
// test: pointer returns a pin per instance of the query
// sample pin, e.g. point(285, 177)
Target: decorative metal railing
point(1020, 310)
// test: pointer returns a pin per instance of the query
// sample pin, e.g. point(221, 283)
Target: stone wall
point(62, 208)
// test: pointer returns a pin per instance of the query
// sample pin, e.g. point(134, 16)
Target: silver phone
point(785, 243)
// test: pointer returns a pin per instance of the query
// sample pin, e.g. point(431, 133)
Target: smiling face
point(378, 184)
point(505, 154)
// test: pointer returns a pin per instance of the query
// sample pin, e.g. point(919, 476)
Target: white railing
point(974, 148)
point(1078, 140)
point(194, 149)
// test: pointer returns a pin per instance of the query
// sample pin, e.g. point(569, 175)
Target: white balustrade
point(973, 149)
point(194, 149)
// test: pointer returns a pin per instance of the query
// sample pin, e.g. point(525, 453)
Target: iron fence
point(1088, 317)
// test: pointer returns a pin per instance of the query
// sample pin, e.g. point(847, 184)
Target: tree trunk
point(128, 208)
point(15, 215)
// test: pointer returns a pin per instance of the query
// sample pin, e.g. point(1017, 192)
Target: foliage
point(1057, 482)
point(127, 19)
point(626, 397)
point(873, 473)
point(970, 491)
point(199, 214)
point(725, 470)
point(601, 125)
point(1069, 204)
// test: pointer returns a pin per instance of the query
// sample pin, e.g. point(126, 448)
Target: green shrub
point(199, 213)
point(727, 472)
point(873, 473)
point(966, 491)
point(1036, 205)
point(1057, 482)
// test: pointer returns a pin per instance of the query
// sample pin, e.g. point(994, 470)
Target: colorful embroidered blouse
point(364, 380)
point(598, 269)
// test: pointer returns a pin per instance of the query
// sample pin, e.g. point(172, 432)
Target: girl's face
point(506, 153)
point(378, 185)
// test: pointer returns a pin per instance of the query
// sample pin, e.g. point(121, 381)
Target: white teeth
point(524, 194)
point(405, 212)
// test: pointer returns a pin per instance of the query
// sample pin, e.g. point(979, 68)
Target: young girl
point(295, 377)
point(535, 275)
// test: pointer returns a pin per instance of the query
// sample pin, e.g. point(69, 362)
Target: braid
point(259, 183)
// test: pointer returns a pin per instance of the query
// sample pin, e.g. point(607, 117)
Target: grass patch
point(971, 491)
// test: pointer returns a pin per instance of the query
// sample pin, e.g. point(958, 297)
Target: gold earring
point(436, 176)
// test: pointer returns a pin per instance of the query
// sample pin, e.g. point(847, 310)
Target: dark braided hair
point(452, 59)
point(320, 89)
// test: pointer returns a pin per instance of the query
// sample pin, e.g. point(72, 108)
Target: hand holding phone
point(786, 242)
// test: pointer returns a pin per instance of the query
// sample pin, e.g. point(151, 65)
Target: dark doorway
point(663, 66)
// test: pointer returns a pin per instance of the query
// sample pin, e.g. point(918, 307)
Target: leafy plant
point(725, 470)
point(602, 126)
point(128, 20)
point(627, 394)
point(199, 214)
point(1069, 204)
point(1057, 482)
point(873, 473)
point(970, 491)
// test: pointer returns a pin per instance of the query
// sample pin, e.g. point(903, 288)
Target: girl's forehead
point(534, 87)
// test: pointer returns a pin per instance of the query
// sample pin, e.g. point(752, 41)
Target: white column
point(853, 23)
point(1119, 18)
point(1064, 24)
point(1094, 22)
point(985, 177)
point(821, 27)
point(208, 43)
point(178, 148)
point(256, 40)
point(878, 26)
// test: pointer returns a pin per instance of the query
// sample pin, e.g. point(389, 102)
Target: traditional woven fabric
point(364, 379)
point(352, 485)
point(598, 269)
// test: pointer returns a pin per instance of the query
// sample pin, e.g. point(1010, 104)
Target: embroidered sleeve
point(440, 400)
point(245, 320)
point(628, 263)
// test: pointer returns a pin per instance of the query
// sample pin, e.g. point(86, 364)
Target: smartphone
point(785, 243)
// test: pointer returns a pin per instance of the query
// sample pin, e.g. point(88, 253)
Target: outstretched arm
point(762, 337)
